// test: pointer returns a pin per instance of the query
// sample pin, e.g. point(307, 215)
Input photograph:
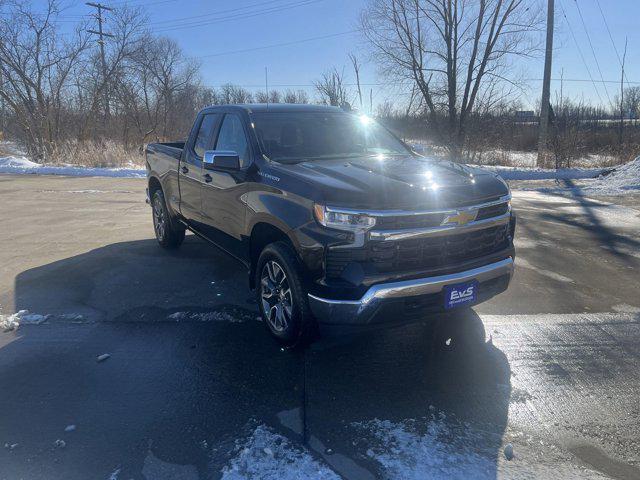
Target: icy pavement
point(603, 213)
point(441, 449)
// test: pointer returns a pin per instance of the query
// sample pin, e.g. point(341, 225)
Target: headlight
point(342, 220)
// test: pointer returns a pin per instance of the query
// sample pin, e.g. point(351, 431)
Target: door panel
point(190, 169)
point(223, 211)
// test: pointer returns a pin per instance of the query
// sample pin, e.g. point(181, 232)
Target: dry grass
point(107, 154)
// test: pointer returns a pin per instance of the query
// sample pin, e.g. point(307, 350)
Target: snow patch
point(114, 474)
point(22, 165)
point(217, 316)
point(516, 173)
point(266, 455)
point(443, 451)
point(23, 317)
point(624, 179)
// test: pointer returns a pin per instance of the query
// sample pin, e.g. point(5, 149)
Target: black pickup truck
point(336, 220)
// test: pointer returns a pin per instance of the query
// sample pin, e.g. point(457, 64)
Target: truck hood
point(397, 182)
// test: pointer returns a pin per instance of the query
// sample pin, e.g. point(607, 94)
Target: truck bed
point(172, 149)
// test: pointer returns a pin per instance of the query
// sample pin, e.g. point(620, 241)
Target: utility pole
point(621, 132)
point(2, 110)
point(101, 34)
point(546, 89)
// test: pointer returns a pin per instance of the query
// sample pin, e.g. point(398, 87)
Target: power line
point(606, 24)
point(584, 62)
point(595, 57)
point(380, 84)
point(218, 12)
point(276, 45)
point(239, 16)
point(127, 3)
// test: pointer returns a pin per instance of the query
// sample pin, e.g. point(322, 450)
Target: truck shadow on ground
point(184, 389)
point(618, 245)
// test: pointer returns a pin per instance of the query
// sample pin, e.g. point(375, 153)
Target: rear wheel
point(169, 232)
point(282, 297)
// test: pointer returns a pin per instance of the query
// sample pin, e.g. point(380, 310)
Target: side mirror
point(221, 159)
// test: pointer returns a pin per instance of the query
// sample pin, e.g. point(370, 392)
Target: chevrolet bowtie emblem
point(462, 217)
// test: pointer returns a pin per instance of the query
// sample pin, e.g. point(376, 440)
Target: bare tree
point(171, 73)
point(298, 96)
point(451, 50)
point(356, 70)
point(332, 88)
point(230, 93)
point(35, 65)
point(274, 96)
point(630, 103)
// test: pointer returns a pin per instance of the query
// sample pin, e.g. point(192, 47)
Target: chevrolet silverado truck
point(336, 220)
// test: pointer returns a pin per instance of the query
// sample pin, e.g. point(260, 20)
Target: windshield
point(290, 137)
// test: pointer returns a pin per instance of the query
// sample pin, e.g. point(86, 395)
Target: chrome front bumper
point(360, 312)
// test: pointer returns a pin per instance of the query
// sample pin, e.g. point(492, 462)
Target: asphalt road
point(195, 388)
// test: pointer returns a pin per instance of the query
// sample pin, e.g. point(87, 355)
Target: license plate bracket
point(460, 294)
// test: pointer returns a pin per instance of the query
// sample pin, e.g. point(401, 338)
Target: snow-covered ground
point(22, 165)
point(520, 173)
point(520, 159)
point(266, 455)
point(624, 179)
point(433, 447)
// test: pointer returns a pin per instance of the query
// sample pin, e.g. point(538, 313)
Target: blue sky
point(249, 24)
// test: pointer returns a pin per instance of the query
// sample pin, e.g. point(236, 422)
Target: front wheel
point(169, 233)
point(281, 296)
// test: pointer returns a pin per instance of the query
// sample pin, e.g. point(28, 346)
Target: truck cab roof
point(273, 107)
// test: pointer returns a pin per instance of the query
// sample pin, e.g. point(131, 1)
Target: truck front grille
point(419, 253)
point(428, 220)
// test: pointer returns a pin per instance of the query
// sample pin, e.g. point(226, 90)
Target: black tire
point(300, 328)
point(169, 232)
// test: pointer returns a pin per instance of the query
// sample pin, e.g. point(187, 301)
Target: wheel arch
point(262, 234)
point(154, 185)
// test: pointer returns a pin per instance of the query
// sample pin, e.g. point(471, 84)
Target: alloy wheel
point(275, 293)
point(159, 218)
